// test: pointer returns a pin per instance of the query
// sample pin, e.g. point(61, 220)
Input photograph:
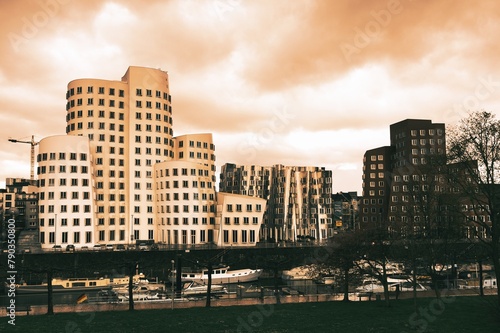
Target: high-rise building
point(392, 173)
point(120, 176)
point(299, 201)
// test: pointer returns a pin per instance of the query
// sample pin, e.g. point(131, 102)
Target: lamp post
point(131, 229)
point(172, 282)
point(55, 230)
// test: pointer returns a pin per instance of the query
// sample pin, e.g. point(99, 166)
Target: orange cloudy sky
point(291, 82)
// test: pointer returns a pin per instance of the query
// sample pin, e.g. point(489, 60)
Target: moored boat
point(221, 275)
point(192, 288)
point(72, 285)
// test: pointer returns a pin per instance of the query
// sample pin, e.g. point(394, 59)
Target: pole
point(172, 282)
point(55, 230)
point(131, 229)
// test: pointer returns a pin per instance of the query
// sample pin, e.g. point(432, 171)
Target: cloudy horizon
point(297, 83)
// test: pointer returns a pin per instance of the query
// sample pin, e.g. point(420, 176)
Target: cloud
point(291, 82)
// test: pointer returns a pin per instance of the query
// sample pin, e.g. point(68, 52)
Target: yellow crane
point(33, 144)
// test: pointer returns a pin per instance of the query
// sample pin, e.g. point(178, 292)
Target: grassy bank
point(458, 314)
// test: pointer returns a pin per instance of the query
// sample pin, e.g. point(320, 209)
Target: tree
point(338, 260)
point(433, 223)
point(376, 247)
point(474, 145)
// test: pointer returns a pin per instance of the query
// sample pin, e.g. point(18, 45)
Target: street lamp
point(172, 283)
point(55, 230)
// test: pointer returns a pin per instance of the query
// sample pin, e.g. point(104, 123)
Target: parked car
point(154, 247)
point(97, 247)
point(143, 247)
point(70, 247)
point(109, 247)
point(57, 248)
point(84, 248)
point(120, 247)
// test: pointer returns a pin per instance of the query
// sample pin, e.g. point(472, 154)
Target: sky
point(303, 82)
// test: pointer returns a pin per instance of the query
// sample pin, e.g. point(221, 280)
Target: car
point(84, 248)
point(70, 247)
point(57, 247)
point(143, 247)
point(154, 247)
point(97, 247)
point(120, 247)
point(109, 247)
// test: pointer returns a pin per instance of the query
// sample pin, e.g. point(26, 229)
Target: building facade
point(397, 177)
point(19, 201)
point(299, 201)
point(346, 210)
point(119, 176)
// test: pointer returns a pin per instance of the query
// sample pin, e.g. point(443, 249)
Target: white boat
point(73, 285)
point(140, 297)
point(297, 273)
point(375, 286)
point(220, 275)
point(190, 288)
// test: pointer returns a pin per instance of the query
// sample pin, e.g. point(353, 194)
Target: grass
point(459, 314)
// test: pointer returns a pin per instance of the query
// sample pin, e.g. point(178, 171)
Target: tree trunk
point(346, 284)
point(481, 282)
point(384, 283)
point(50, 302)
point(209, 286)
point(131, 288)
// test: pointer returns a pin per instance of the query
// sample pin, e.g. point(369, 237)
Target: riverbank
point(234, 300)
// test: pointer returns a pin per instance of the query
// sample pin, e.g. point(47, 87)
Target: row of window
point(121, 104)
point(185, 209)
point(184, 172)
point(244, 236)
point(64, 195)
point(112, 236)
point(121, 128)
point(198, 144)
point(238, 236)
point(376, 157)
point(64, 209)
point(62, 169)
point(185, 220)
point(121, 92)
point(61, 156)
point(185, 184)
point(64, 222)
point(121, 115)
point(238, 207)
point(63, 182)
point(198, 155)
point(423, 132)
point(236, 220)
point(185, 196)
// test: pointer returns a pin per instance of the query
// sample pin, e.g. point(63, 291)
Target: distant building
point(388, 171)
point(19, 201)
point(299, 201)
point(346, 210)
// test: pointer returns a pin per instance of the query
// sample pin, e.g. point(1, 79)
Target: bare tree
point(338, 261)
point(474, 144)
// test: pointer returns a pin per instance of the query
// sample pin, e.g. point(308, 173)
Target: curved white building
point(129, 124)
point(131, 180)
point(66, 191)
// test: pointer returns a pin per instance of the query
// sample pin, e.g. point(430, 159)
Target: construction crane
point(33, 144)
